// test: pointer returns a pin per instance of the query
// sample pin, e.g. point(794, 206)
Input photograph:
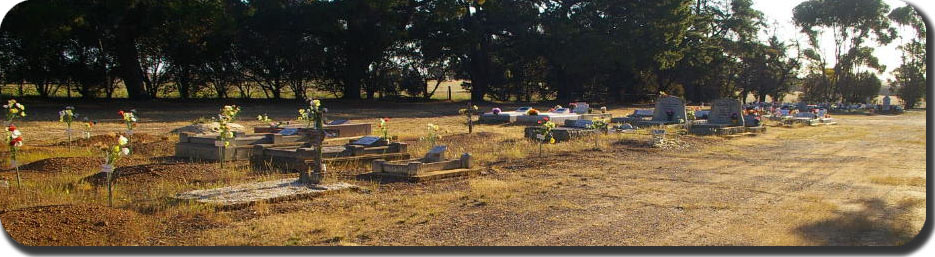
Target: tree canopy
point(594, 50)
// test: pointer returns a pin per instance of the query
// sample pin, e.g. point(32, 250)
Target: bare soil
point(75, 225)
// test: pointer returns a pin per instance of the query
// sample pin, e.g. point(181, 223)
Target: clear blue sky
point(779, 14)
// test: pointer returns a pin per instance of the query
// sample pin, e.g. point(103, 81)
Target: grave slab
point(266, 191)
point(423, 169)
point(336, 129)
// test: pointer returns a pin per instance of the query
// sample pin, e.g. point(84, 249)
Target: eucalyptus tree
point(910, 77)
point(851, 23)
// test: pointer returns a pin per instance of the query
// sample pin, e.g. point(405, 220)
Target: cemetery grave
point(266, 191)
point(559, 115)
point(205, 147)
point(336, 128)
point(726, 118)
point(571, 129)
point(809, 118)
point(580, 111)
point(307, 185)
point(669, 110)
point(497, 116)
point(435, 165)
point(295, 158)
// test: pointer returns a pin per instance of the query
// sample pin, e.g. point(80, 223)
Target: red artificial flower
point(121, 113)
point(540, 122)
point(16, 140)
point(11, 128)
point(546, 118)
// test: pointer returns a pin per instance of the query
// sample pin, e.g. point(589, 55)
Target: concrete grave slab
point(266, 191)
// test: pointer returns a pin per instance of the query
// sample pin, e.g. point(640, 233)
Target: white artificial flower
point(125, 151)
point(16, 133)
point(122, 140)
point(19, 144)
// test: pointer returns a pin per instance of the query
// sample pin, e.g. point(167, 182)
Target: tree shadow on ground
point(875, 223)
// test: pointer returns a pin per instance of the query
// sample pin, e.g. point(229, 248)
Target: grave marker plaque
point(580, 123)
point(366, 141)
point(288, 131)
point(337, 122)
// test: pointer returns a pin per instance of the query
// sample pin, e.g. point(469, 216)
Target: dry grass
point(854, 183)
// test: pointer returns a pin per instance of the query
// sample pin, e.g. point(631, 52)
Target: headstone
point(667, 105)
point(802, 106)
point(886, 103)
point(581, 108)
point(702, 115)
point(437, 154)
point(579, 123)
point(366, 141)
point(337, 122)
point(288, 131)
point(726, 111)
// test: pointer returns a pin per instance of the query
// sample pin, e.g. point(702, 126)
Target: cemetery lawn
point(861, 182)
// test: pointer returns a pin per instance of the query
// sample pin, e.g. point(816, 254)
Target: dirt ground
point(861, 182)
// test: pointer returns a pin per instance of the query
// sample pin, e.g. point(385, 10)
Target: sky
point(779, 13)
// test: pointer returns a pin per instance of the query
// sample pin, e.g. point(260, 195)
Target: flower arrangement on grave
point(469, 114)
point(690, 114)
point(545, 134)
point(384, 129)
point(600, 124)
point(225, 134)
point(603, 109)
point(312, 114)
point(433, 134)
point(88, 125)
point(67, 116)
point(272, 123)
point(129, 119)
point(14, 110)
point(532, 112)
point(495, 111)
point(555, 108)
point(15, 139)
point(113, 153)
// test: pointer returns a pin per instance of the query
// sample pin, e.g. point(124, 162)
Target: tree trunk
point(131, 70)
